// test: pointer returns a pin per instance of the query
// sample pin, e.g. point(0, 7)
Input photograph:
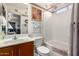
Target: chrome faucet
point(15, 37)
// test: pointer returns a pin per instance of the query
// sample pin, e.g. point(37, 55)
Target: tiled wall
point(36, 28)
point(57, 27)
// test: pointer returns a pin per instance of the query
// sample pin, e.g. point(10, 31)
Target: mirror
point(17, 20)
point(11, 21)
point(3, 21)
point(13, 24)
point(17, 24)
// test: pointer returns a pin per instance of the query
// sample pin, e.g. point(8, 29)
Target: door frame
point(74, 42)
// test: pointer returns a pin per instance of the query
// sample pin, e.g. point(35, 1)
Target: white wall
point(30, 22)
point(24, 29)
point(47, 26)
point(57, 26)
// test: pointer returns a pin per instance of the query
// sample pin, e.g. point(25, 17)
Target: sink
point(11, 40)
point(25, 38)
point(19, 39)
point(5, 40)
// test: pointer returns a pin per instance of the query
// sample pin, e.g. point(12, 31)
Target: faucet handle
point(15, 37)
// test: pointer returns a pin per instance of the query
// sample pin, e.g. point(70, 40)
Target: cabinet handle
point(19, 51)
point(12, 52)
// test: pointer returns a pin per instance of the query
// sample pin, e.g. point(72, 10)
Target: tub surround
point(57, 48)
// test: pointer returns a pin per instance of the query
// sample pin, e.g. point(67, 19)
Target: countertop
point(14, 42)
point(11, 42)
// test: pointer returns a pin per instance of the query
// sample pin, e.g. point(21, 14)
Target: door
point(26, 49)
point(8, 51)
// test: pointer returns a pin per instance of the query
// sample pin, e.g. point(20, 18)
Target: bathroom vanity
point(17, 48)
point(18, 23)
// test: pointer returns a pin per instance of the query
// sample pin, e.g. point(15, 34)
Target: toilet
point(41, 50)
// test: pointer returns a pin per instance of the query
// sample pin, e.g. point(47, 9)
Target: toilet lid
point(43, 49)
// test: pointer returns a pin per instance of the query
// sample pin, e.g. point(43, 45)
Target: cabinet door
point(26, 49)
point(8, 51)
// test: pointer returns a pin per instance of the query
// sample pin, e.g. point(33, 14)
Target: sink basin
point(11, 40)
point(5, 40)
point(19, 39)
point(25, 38)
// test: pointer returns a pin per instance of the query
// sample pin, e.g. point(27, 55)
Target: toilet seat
point(43, 50)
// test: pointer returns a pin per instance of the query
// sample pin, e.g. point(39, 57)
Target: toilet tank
point(38, 42)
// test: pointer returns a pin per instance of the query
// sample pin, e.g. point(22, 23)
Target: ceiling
point(46, 6)
point(17, 5)
point(50, 6)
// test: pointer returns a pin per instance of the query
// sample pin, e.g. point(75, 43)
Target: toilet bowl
point(43, 51)
point(40, 48)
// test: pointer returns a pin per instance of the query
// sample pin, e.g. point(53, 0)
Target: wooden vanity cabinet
point(8, 51)
point(24, 49)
